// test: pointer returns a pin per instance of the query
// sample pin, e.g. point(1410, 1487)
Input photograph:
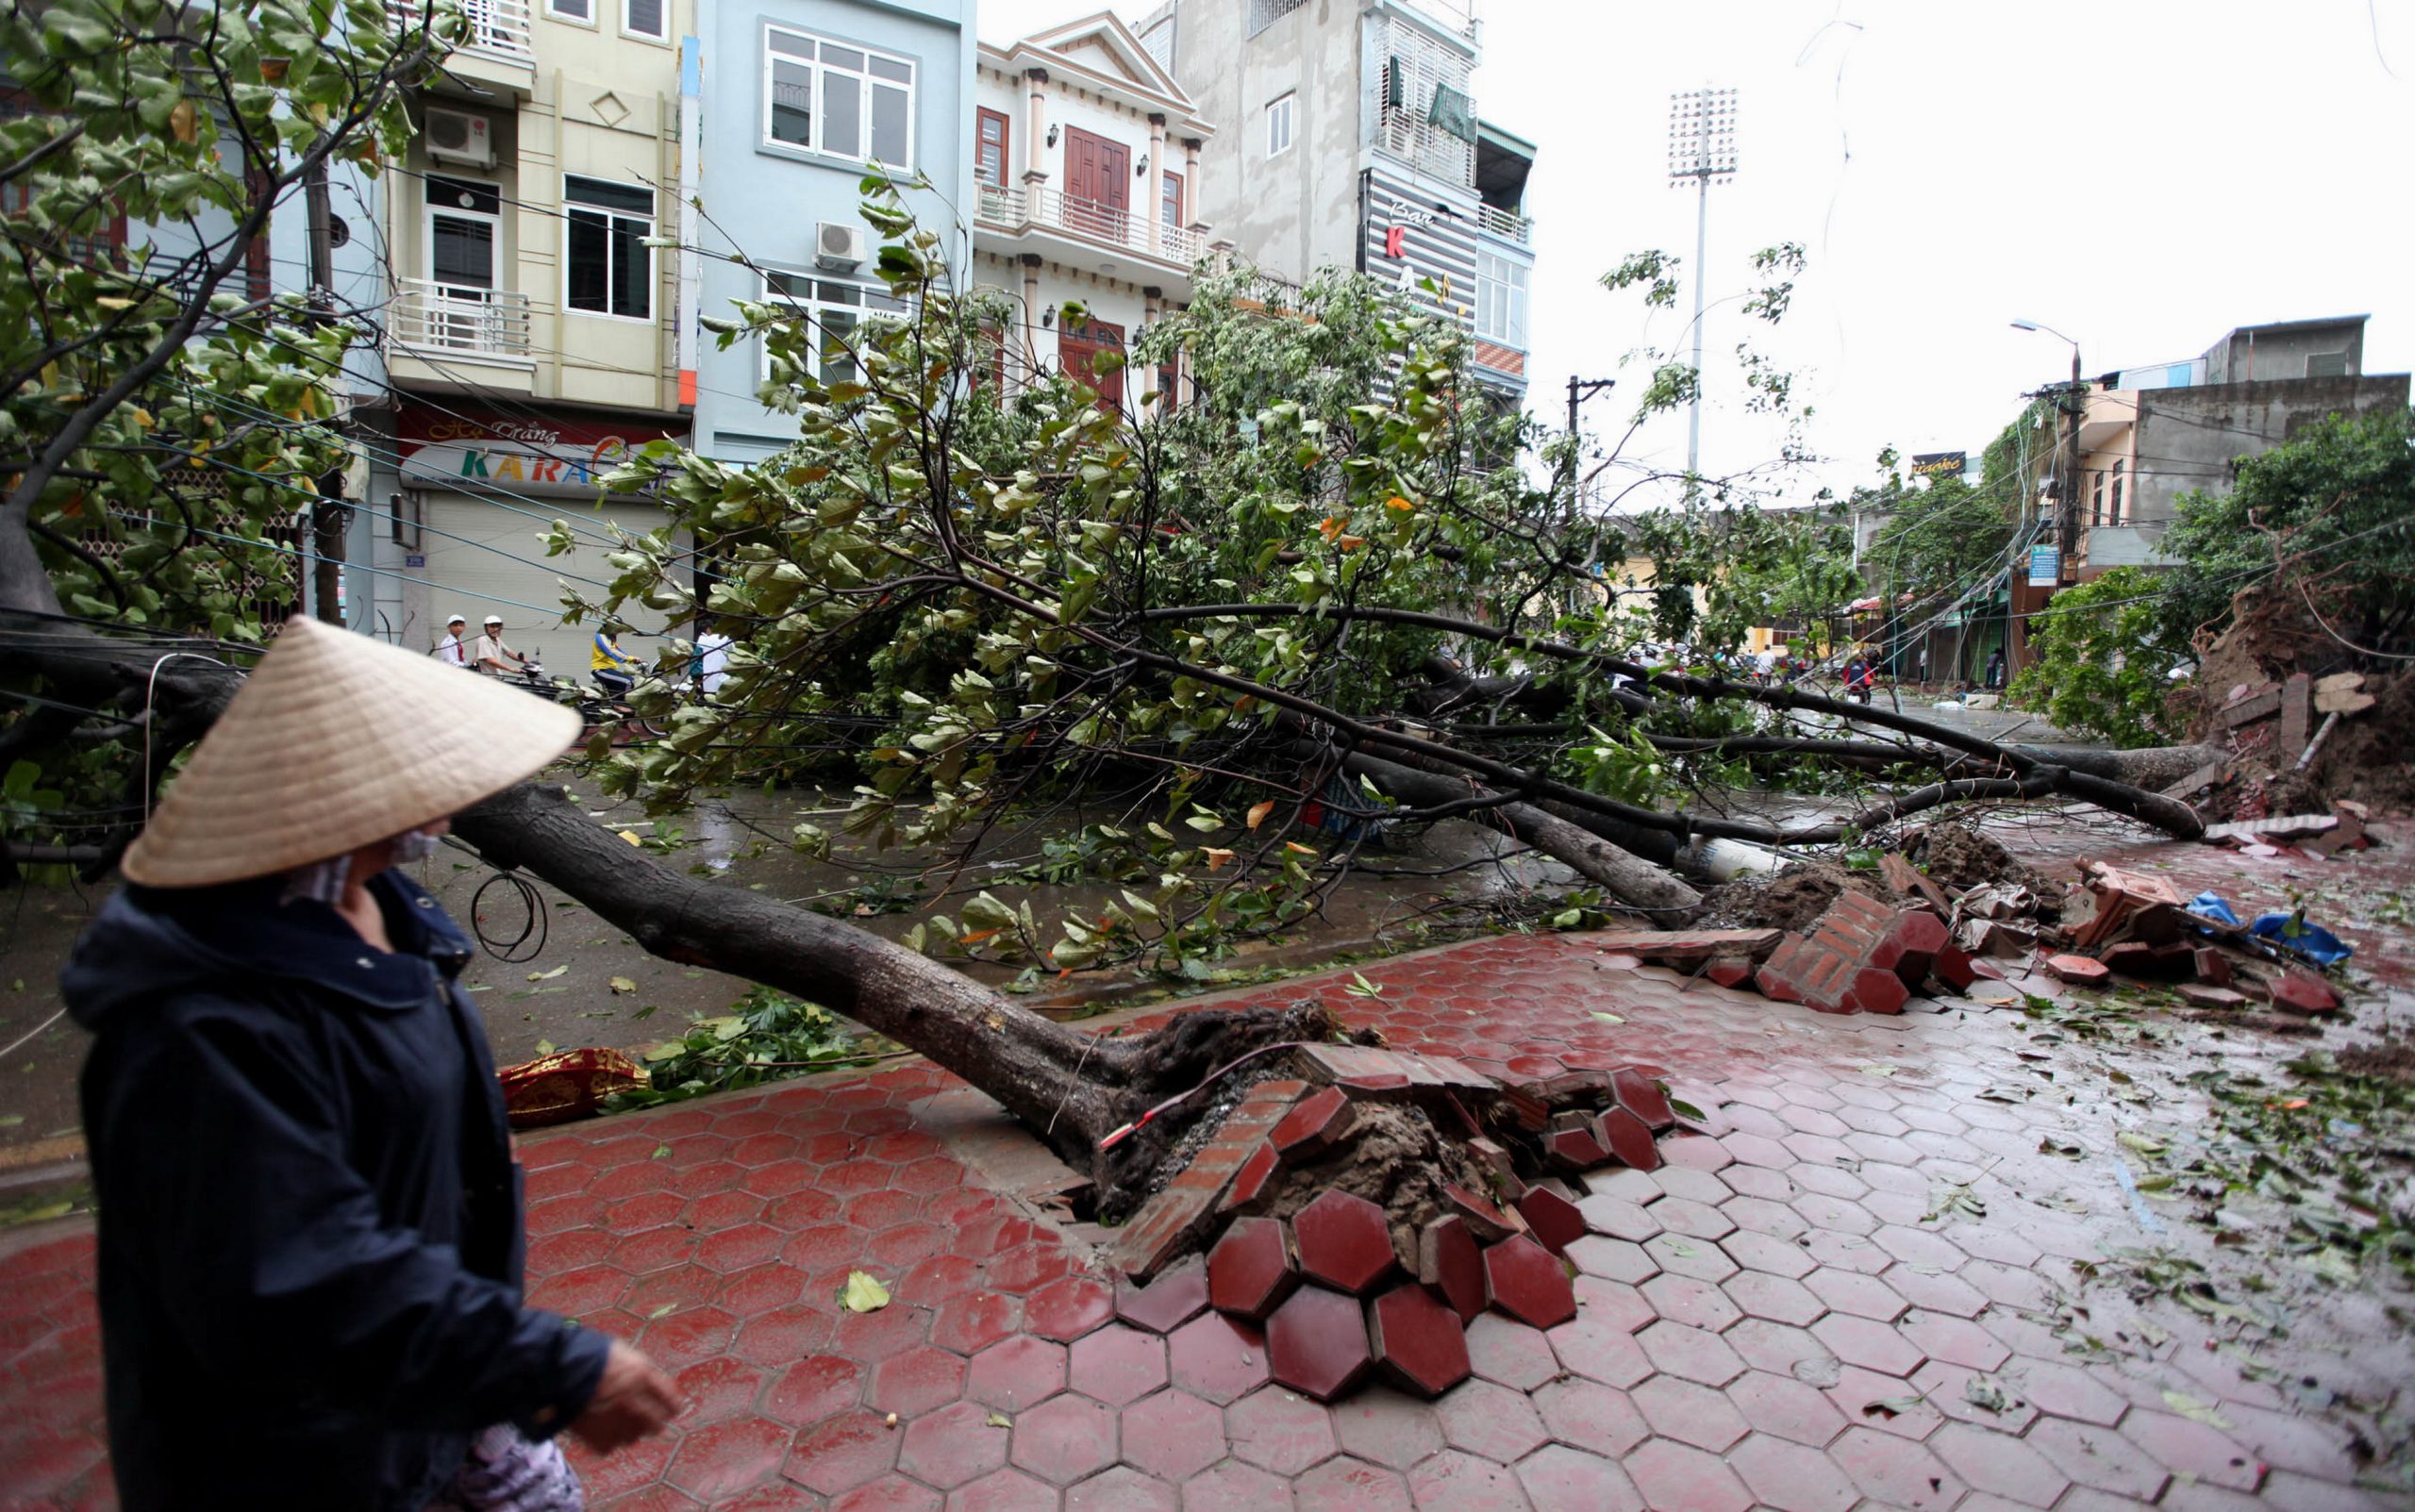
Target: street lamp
point(2074, 402)
point(1702, 150)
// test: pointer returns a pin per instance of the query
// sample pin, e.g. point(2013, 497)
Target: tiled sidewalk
point(1783, 1319)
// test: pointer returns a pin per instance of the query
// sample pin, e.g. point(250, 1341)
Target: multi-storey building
point(796, 100)
point(1351, 140)
point(576, 200)
point(2151, 434)
point(531, 334)
point(1086, 159)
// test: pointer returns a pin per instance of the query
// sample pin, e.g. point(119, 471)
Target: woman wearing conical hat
point(311, 1234)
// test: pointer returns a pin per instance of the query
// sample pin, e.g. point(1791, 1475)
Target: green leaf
point(863, 1293)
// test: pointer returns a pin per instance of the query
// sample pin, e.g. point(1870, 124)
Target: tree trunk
point(1630, 878)
point(1069, 1087)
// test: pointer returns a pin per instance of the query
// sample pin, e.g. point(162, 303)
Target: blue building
point(787, 103)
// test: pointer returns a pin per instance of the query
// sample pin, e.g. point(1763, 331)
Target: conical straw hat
point(336, 742)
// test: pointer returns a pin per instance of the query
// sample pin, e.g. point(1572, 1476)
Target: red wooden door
point(1098, 184)
point(1078, 344)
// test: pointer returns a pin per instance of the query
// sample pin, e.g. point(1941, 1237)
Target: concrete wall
point(766, 199)
point(2186, 438)
point(1297, 213)
point(2258, 355)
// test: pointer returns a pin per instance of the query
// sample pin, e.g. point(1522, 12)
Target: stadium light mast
point(1702, 149)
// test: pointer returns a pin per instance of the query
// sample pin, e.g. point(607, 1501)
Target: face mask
point(321, 881)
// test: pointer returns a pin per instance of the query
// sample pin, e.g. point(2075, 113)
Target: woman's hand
point(633, 1400)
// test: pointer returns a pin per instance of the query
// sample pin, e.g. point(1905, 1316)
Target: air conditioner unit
point(459, 137)
point(837, 244)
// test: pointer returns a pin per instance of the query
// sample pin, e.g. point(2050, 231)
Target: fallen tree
point(1236, 602)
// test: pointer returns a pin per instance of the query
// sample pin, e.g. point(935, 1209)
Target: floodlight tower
point(1701, 147)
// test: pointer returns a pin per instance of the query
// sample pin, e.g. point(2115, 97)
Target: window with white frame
point(581, 11)
point(833, 310)
point(645, 18)
point(835, 97)
point(607, 267)
point(1501, 300)
point(1278, 125)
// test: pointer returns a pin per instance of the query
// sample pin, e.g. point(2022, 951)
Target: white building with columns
point(1086, 159)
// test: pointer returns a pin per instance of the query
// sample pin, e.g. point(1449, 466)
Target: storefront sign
point(559, 457)
point(1939, 464)
point(2045, 565)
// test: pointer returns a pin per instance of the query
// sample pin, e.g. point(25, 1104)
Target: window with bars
point(607, 267)
point(645, 18)
point(833, 310)
point(834, 97)
point(1265, 13)
point(1426, 116)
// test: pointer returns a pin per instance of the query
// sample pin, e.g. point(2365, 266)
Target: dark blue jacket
point(310, 1237)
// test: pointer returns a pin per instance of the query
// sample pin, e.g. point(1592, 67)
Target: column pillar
point(1153, 190)
point(1031, 312)
point(1191, 146)
point(1035, 132)
point(1153, 309)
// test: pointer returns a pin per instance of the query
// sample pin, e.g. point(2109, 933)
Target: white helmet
point(457, 619)
point(494, 619)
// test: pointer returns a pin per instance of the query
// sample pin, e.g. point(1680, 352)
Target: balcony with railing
point(1086, 225)
point(496, 44)
point(1506, 224)
point(442, 323)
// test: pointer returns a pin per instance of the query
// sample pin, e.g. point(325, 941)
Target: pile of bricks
point(1341, 1299)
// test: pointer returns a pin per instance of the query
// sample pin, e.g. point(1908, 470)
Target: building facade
point(1350, 140)
point(532, 330)
point(2149, 435)
point(576, 201)
point(1086, 163)
point(794, 101)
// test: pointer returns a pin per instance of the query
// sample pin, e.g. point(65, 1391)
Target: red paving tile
point(1769, 1319)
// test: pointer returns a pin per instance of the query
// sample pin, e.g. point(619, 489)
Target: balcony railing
point(498, 27)
point(1053, 209)
point(1506, 224)
point(430, 317)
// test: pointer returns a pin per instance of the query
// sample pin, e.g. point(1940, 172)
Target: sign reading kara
point(1939, 464)
point(557, 455)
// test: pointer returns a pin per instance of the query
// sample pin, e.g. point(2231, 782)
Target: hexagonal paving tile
point(1316, 1343)
point(1252, 1268)
point(1419, 1343)
point(1523, 1280)
point(1173, 1434)
point(1896, 1470)
point(1689, 1413)
point(1174, 1298)
point(1558, 1477)
point(1789, 1477)
point(1218, 1358)
point(1450, 1261)
point(1280, 1431)
point(1068, 1308)
point(1233, 1487)
point(1119, 1364)
point(1999, 1464)
point(1344, 1243)
point(1064, 1438)
point(1383, 1427)
point(1671, 1474)
point(1016, 1373)
point(1121, 1489)
point(1343, 1483)
point(1491, 1420)
point(954, 1445)
point(1690, 1353)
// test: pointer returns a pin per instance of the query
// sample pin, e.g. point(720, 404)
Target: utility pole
point(329, 513)
point(1577, 391)
point(2075, 404)
point(1701, 147)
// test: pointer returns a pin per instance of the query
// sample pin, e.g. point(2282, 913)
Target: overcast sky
point(2142, 175)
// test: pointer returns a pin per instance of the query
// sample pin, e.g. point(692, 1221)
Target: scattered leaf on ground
point(863, 1293)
